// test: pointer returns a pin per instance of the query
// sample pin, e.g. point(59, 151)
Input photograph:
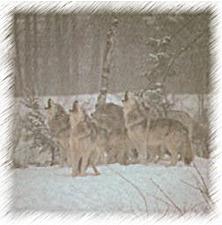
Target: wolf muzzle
point(74, 106)
point(49, 104)
point(126, 98)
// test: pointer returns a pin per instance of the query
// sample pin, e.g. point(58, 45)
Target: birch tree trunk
point(107, 57)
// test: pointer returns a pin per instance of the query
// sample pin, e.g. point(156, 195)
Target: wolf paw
point(97, 173)
point(82, 174)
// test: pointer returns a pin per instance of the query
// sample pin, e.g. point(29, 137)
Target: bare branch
point(182, 27)
point(164, 193)
point(190, 185)
point(165, 213)
point(134, 186)
point(201, 176)
point(161, 200)
point(203, 189)
point(189, 45)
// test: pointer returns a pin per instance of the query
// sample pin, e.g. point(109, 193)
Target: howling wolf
point(154, 134)
point(84, 144)
point(59, 125)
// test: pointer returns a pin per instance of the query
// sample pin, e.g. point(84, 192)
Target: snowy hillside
point(154, 188)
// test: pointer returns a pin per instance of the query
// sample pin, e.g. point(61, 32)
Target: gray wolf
point(59, 125)
point(84, 145)
point(108, 118)
point(184, 118)
point(150, 135)
point(198, 133)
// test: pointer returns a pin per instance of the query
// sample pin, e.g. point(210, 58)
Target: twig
point(164, 193)
point(180, 52)
point(190, 185)
point(185, 25)
point(204, 190)
point(201, 177)
point(198, 189)
point(133, 210)
point(165, 213)
point(161, 200)
point(134, 186)
point(194, 206)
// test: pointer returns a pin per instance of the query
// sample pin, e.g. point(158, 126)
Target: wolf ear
point(126, 97)
point(74, 106)
point(49, 104)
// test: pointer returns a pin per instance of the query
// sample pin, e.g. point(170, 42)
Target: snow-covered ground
point(152, 188)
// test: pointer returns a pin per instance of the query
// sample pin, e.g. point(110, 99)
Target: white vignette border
point(7, 101)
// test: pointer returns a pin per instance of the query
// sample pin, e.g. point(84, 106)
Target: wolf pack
point(119, 134)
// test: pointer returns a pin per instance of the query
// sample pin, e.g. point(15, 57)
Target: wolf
point(184, 118)
point(59, 125)
point(150, 135)
point(136, 124)
point(201, 139)
point(109, 118)
point(198, 132)
point(84, 144)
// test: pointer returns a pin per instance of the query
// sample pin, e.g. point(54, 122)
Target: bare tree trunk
point(35, 48)
point(18, 74)
point(73, 58)
point(28, 66)
point(106, 63)
point(60, 54)
point(69, 49)
point(53, 57)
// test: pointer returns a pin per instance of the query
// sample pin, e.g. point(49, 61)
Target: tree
point(33, 129)
point(165, 50)
point(107, 62)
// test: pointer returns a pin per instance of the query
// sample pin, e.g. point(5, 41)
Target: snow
point(53, 189)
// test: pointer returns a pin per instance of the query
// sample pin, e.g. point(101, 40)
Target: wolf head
point(129, 102)
point(54, 110)
point(77, 114)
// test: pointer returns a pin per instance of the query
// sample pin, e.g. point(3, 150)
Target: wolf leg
point(75, 159)
point(95, 170)
point(142, 153)
point(154, 153)
point(75, 170)
point(172, 148)
point(62, 157)
point(142, 157)
point(151, 154)
point(68, 155)
point(84, 165)
point(158, 153)
point(75, 165)
point(122, 156)
point(174, 156)
point(94, 159)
